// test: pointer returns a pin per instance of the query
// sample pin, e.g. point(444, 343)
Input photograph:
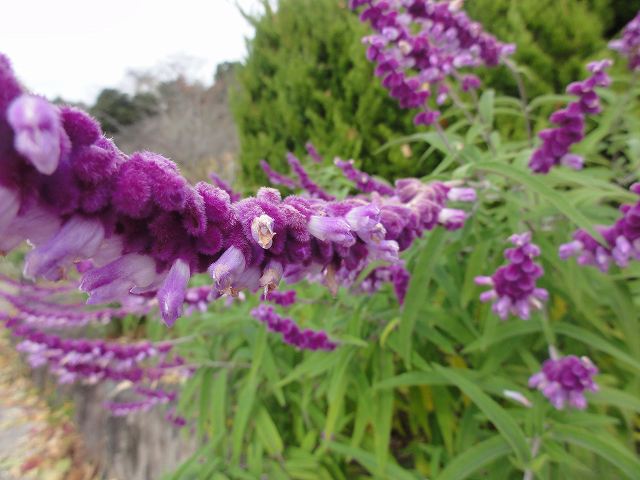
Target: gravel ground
point(36, 442)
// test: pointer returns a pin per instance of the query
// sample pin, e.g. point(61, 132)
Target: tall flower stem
point(524, 100)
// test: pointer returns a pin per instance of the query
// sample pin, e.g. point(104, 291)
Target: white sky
point(74, 48)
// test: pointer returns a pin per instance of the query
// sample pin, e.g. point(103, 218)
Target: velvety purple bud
point(365, 221)
point(38, 131)
point(573, 161)
point(171, 294)
point(80, 127)
point(227, 268)
point(570, 249)
point(331, 229)
point(462, 195)
point(483, 280)
point(428, 118)
point(79, 238)
point(284, 299)
point(386, 250)
point(470, 82)
point(194, 215)
point(132, 190)
point(270, 195)
point(92, 164)
point(169, 189)
point(452, 218)
point(313, 153)
point(217, 203)
point(115, 281)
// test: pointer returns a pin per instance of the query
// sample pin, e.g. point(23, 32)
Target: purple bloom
point(144, 230)
point(570, 122)
point(418, 44)
point(276, 178)
point(220, 183)
point(629, 44)
point(563, 381)
point(621, 241)
point(39, 136)
point(364, 182)
point(313, 153)
point(172, 292)
point(514, 288)
point(284, 299)
point(290, 332)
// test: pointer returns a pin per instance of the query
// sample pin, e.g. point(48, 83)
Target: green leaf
point(268, 433)
point(603, 445)
point(617, 398)
point(368, 461)
point(505, 424)
point(475, 458)
point(597, 342)
point(486, 106)
point(536, 185)
point(420, 277)
point(412, 379)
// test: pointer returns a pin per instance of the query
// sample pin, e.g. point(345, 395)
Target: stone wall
point(141, 446)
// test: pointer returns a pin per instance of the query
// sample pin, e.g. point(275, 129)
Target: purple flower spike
point(629, 44)
point(38, 131)
point(514, 285)
point(171, 294)
point(365, 221)
point(291, 332)
point(313, 153)
point(284, 299)
point(364, 182)
point(277, 178)
point(418, 44)
point(563, 381)
point(570, 122)
point(77, 239)
point(621, 241)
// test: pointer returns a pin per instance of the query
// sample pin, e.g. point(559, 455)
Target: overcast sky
point(74, 48)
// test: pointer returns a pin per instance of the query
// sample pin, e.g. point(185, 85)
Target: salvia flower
point(621, 241)
point(514, 288)
point(565, 380)
point(418, 44)
point(570, 121)
point(313, 152)
point(290, 331)
point(284, 299)
point(629, 44)
point(141, 229)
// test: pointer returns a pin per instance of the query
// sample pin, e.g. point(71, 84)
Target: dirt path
point(36, 442)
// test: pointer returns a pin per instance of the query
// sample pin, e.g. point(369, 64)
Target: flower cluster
point(92, 361)
point(284, 299)
point(148, 399)
point(418, 44)
point(629, 44)
point(221, 184)
point(622, 241)
point(363, 181)
point(68, 190)
point(291, 333)
point(570, 121)
point(563, 381)
point(514, 288)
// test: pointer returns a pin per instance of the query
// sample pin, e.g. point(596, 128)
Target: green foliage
point(418, 391)
point(307, 78)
